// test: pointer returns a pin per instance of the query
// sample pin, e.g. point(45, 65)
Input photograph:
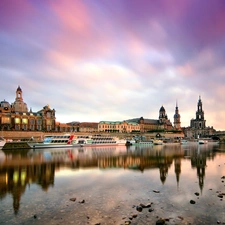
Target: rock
point(192, 202)
point(156, 191)
point(223, 177)
point(35, 216)
point(127, 222)
point(150, 210)
point(83, 201)
point(160, 222)
point(134, 216)
point(196, 193)
point(148, 205)
point(73, 199)
point(139, 208)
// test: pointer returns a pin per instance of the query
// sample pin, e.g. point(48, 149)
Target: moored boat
point(99, 140)
point(150, 142)
point(2, 142)
point(56, 141)
point(201, 141)
point(184, 142)
point(157, 142)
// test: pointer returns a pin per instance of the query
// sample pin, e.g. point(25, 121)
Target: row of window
point(118, 126)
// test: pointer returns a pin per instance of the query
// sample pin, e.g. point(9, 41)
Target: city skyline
point(107, 60)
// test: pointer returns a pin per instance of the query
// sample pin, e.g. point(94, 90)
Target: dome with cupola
point(19, 105)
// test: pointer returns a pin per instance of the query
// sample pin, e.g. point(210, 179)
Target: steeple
point(176, 118)
point(19, 96)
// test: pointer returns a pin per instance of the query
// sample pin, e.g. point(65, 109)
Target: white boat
point(157, 142)
point(2, 142)
point(201, 141)
point(130, 142)
point(184, 142)
point(145, 142)
point(99, 140)
point(56, 141)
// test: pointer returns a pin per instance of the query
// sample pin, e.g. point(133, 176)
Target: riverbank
point(38, 135)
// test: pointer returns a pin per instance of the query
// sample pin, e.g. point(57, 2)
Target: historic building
point(176, 117)
point(118, 126)
point(198, 127)
point(16, 116)
point(162, 124)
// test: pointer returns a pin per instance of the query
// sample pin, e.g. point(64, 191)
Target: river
point(171, 184)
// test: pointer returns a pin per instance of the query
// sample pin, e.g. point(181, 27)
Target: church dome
point(5, 104)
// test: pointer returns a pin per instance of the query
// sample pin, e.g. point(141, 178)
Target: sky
point(94, 60)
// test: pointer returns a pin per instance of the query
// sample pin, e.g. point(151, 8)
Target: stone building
point(16, 116)
point(197, 128)
point(118, 126)
point(176, 117)
point(148, 125)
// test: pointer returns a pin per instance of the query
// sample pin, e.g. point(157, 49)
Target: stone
point(139, 208)
point(73, 199)
point(160, 222)
point(192, 202)
point(148, 205)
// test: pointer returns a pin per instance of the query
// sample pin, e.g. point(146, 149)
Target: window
point(17, 120)
point(24, 121)
point(6, 120)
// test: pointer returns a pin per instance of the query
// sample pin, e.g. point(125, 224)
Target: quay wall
point(38, 135)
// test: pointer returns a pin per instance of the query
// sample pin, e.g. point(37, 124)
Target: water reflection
point(19, 170)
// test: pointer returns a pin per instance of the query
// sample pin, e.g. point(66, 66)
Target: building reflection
point(18, 171)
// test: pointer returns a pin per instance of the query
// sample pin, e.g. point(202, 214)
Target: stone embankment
point(38, 135)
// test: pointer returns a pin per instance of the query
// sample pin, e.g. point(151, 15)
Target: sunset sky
point(94, 60)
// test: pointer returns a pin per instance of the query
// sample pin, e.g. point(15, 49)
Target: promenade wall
point(38, 136)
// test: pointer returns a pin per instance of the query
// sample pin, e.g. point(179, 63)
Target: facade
point(16, 116)
point(118, 126)
point(153, 125)
point(198, 127)
point(88, 127)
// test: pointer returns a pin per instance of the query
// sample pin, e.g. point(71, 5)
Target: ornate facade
point(148, 125)
point(16, 116)
point(117, 126)
point(198, 127)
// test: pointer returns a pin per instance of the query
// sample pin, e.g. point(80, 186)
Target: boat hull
point(42, 145)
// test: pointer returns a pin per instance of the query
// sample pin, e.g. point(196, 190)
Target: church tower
point(176, 119)
point(199, 121)
point(162, 115)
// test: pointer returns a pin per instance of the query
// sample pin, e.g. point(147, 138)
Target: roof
point(162, 109)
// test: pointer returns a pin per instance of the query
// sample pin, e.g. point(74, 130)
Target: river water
point(180, 184)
